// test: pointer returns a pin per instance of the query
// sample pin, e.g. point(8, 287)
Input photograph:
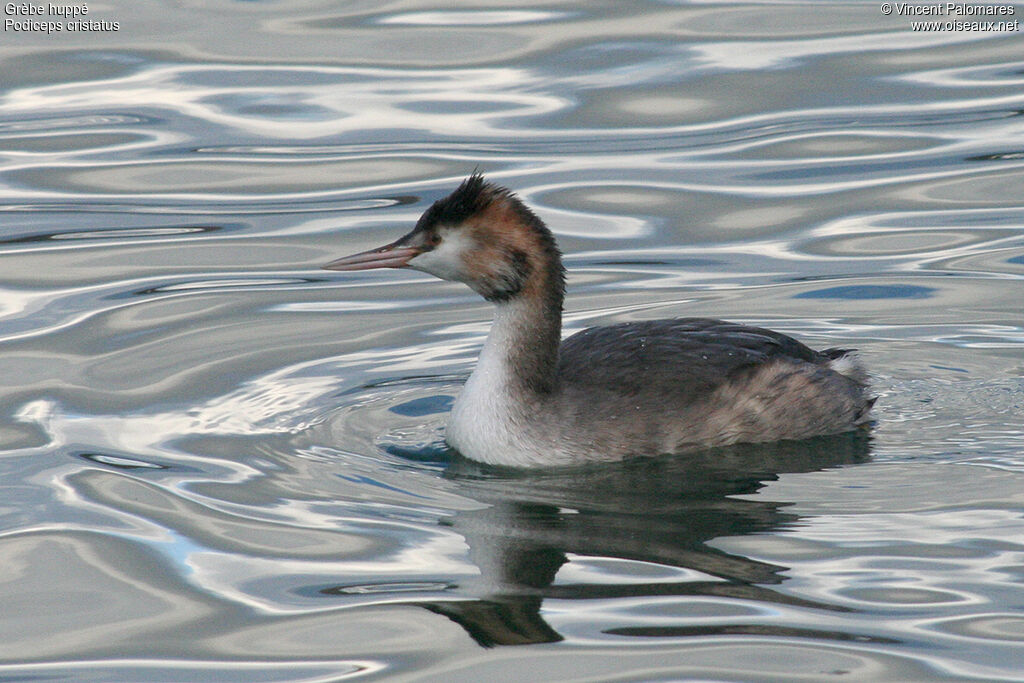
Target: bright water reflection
point(221, 463)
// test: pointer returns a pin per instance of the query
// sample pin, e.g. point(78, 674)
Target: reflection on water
point(654, 517)
point(218, 462)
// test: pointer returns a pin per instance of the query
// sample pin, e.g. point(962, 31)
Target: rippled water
point(218, 462)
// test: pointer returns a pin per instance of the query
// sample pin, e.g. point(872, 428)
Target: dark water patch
point(379, 588)
point(944, 367)
point(435, 455)
point(271, 79)
point(217, 284)
point(745, 630)
point(680, 262)
point(44, 67)
point(430, 405)
point(121, 462)
point(118, 234)
point(362, 479)
point(853, 292)
point(37, 125)
point(76, 142)
point(998, 156)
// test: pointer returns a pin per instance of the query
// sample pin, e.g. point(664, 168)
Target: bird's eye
point(433, 239)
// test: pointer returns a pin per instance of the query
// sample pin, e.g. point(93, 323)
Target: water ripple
point(242, 457)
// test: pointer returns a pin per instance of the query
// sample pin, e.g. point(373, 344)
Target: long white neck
point(516, 372)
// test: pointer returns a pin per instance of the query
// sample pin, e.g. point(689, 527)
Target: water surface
point(219, 462)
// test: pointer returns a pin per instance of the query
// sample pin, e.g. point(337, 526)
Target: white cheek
point(446, 259)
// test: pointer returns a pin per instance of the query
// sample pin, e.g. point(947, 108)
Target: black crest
point(473, 195)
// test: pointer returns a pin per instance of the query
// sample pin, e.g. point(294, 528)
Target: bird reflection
point(656, 510)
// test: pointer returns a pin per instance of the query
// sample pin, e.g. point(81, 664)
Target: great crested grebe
point(606, 393)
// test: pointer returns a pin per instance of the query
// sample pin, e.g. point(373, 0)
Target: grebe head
point(481, 234)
